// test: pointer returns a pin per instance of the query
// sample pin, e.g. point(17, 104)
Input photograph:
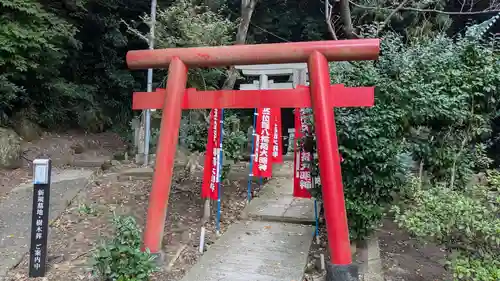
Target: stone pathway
point(256, 251)
point(271, 249)
point(276, 202)
point(15, 213)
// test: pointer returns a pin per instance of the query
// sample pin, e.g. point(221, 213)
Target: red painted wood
point(165, 153)
point(329, 161)
point(338, 96)
point(294, 52)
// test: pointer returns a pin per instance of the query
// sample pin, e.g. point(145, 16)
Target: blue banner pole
point(219, 184)
point(316, 218)
point(252, 157)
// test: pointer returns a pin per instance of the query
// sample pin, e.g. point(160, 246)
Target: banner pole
point(252, 157)
point(219, 184)
point(316, 218)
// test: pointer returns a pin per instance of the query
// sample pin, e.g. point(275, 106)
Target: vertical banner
point(277, 136)
point(302, 180)
point(263, 144)
point(40, 217)
point(212, 158)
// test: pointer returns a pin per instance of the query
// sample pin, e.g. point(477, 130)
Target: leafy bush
point(62, 62)
point(464, 220)
point(434, 104)
point(33, 44)
point(193, 131)
point(187, 24)
point(234, 138)
point(121, 258)
point(234, 141)
point(478, 268)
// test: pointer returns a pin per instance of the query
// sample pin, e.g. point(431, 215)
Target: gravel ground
point(87, 222)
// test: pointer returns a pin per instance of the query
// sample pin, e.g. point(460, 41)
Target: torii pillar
point(323, 97)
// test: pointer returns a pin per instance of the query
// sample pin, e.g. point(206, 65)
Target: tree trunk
point(247, 8)
point(388, 19)
point(345, 14)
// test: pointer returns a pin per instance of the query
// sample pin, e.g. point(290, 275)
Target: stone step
point(94, 162)
point(142, 173)
point(146, 173)
point(284, 208)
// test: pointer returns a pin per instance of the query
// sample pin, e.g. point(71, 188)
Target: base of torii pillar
point(348, 272)
point(340, 267)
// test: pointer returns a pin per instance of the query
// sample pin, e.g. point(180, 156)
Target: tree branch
point(269, 32)
point(247, 8)
point(328, 19)
point(135, 32)
point(388, 19)
point(463, 5)
point(426, 10)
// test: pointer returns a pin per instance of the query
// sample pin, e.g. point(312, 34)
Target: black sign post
point(40, 217)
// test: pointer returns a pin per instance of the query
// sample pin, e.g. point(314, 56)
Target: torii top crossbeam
point(338, 50)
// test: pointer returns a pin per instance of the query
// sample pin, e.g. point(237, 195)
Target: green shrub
point(435, 100)
point(121, 259)
point(477, 268)
point(464, 220)
point(234, 138)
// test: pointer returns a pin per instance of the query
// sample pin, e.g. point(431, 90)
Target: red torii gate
point(321, 96)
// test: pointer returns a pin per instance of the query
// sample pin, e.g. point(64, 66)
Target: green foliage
point(479, 30)
point(33, 45)
point(465, 220)
point(480, 269)
point(64, 63)
point(194, 131)
point(121, 258)
point(84, 209)
point(291, 20)
point(234, 139)
point(100, 60)
point(187, 24)
point(410, 23)
point(31, 37)
point(435, 101)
